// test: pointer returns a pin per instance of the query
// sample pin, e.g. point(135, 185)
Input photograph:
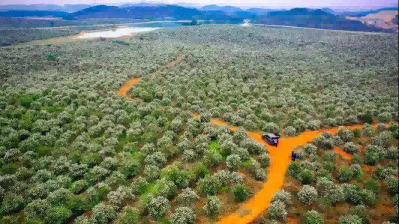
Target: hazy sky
point(242, 3)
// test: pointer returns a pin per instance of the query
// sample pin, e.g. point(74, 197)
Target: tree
point(212, 206)
point(158, 206)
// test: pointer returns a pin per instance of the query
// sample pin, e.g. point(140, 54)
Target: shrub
point(240, 135)
point(12, 203)
point(128, 215)
point(237, 178)
point(368, 130)
point(356, 170)
point(183, 215)
point(212, 206)
point(372, 185)
point(371, 157)
point(305, 176)
point(37, 209)
point(310, 149)
point(336, 194)
point(323, 142)
point(277, 211)
point(345, 174)
point(102, 214)
point(139, 185)
point(164, 188)
point(384, 117)
point(290, 131)
point(187, 197)
point(57, 215)
point(151, 172)
point(349, 219)
point(188, 155)
point(179, 176)
point(78, 203)
point(97, 192)
point(294, 169)
point(357, 159)
point(270, 127)
point(158, 206)
point(212, 157)
point(347, 135)
point(264, 160)
point(282, 196)
point(314, 125)
point(259, 174)
point(241, 193)
point(307, 195)
point(368, 197)
point(130, 167)
point(233, 161)
point(313, 217)
point(116, 198)
point(253, 147)
point(351, 147)
point(392, 184)
point(357, 133)
point(393, 153)
point(324, 185)
point(359, 210)
point(79, 186)
point(352, 193)
point(156, 159)
point(59, 197)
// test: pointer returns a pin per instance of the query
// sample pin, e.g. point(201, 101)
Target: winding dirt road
point(280, 160)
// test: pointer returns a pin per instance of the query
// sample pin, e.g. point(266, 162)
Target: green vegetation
point(350, 191)
point(73, 151)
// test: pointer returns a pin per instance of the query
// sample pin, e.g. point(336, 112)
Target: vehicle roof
point(271, 135)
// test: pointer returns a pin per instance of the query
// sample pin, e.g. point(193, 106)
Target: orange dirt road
point(134, 81)
point(280, 159)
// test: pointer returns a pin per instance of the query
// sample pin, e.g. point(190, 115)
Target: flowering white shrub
point(187, 197)
point(277, 211)
point(290, 131)
point(349, 219)
point(102, 214)
point(282, 196)
point(212, 206)
point(37, 209)
point(307, 195)
point(183, 215)
point(158, 206)
point(233, 161)
point(351, 147)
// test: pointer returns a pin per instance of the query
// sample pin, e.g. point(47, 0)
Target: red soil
point(280, 160)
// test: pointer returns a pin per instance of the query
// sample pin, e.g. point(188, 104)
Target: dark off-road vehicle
point(271, 139)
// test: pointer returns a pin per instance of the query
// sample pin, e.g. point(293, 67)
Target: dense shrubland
point(322, 185)
point(71, 150)
point(271, 79)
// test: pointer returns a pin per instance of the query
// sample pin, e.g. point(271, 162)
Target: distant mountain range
point(304, 17)
point(221, 8)
point(376, 11)
point(148, 12)
point(32, 13)
point(325, 18)
point(46, 7)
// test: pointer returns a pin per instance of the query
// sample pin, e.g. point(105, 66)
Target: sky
point(366, 4)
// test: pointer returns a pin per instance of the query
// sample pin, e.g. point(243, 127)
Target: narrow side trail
point(280, 159)
point(134, 81)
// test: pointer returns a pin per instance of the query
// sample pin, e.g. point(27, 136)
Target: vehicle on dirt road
point(271, 139)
